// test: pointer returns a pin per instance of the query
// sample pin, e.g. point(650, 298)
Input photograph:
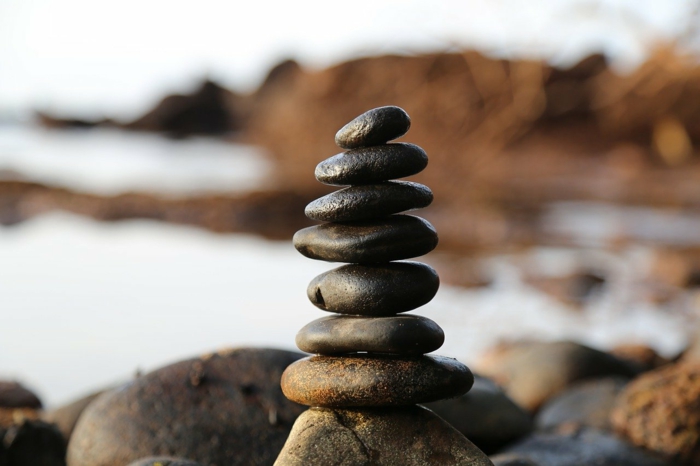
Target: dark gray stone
point(369, 201)
point(374, 380)
point(374, 164)
point(373, 127)
point(374, 290)
point(586, 404)
point(35, 443)
point(412, 335)
point(15, 395)
point(370, 241)
point(585, 447)
point(225, 408)
point(408, 436)
point(485, 415)
point(164, 461)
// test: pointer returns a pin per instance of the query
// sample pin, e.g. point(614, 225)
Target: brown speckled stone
point(371, 380)
point(408, 436)
point(369, 201)
point(225, 408)
point(407, 334)
point(381, 240)
point(373, 127)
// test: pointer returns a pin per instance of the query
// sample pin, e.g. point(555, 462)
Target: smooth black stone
point(374, 290)
point(374, 164)
point(407, 334)
point(369, 201)
point(376, 126)
point(381, 240)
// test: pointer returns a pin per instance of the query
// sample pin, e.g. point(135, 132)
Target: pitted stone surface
point(374, 290)
point(369, 201)
point(376, 126)
point(371, 241)
point(408, 334)
point(374, 164)
point(409, 436)
point(373, 380)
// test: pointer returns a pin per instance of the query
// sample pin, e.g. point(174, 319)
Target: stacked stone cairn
point(370, 367)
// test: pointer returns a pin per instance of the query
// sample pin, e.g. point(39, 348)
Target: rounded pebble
point(412, 335)
point(381, 240)
point(374, 164)
point(369, 201)
point(374, 290)
point(372, 380)
point(164, 461)
point(376, 126)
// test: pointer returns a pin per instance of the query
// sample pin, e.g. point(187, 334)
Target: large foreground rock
point(224, 409)
point(408, 436)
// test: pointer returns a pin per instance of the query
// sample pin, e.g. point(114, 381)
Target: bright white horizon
point(100, 58)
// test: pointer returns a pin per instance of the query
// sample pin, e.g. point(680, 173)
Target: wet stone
point(413, 335)
point(376, 126)
point(369, 201)
point(369, 165)
point(406, 436)
point(373, 380)
point(381, 240)
point(374, 290)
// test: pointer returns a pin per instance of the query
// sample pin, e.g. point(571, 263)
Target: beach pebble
point(408, 334)
point(374, 290)
point(65, 417)
point(485, 415)
point(224, 408)
point(660, 411)
point(369, 201)
point(372, 380)
point(408, 436)
point(34, 443)
point(164, 461)
point(371, 241)
point(374, 164)
point(15, 395)
point(376, 126)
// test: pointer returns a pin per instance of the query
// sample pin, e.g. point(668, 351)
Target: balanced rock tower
point(370, 367)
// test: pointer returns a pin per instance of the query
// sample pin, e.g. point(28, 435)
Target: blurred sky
point(93, 58)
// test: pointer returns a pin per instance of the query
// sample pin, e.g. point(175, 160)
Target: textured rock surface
point(585, 404)
point(412, 334)
point(660, 410)
point(485, 415)
point(65, 417)
point(34, 443)
point(373, 127)
point(361, 381)
point(369, 201)
point(581, 448)
point(509, 459)
point(532, 373)
point(164, 461)
point(14, 395)
point(410, 436)
point(374, 290)
point(226, 408)
point(381, 240)
point(372, 164)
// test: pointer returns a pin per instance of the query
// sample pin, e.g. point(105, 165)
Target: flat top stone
point(374, 164)
point(376, 126)
point(407, 436)
point(374, 289)
point(369, 201)
point(407, 334)
point(382, 240)
point(373, 380)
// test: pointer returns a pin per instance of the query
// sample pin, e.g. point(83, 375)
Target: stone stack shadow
point(370, 366)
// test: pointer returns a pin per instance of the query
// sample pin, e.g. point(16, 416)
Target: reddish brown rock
point(14, 395)
point(660, 411)
point(409, 436)
point(643, 356)
point(373, 380)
